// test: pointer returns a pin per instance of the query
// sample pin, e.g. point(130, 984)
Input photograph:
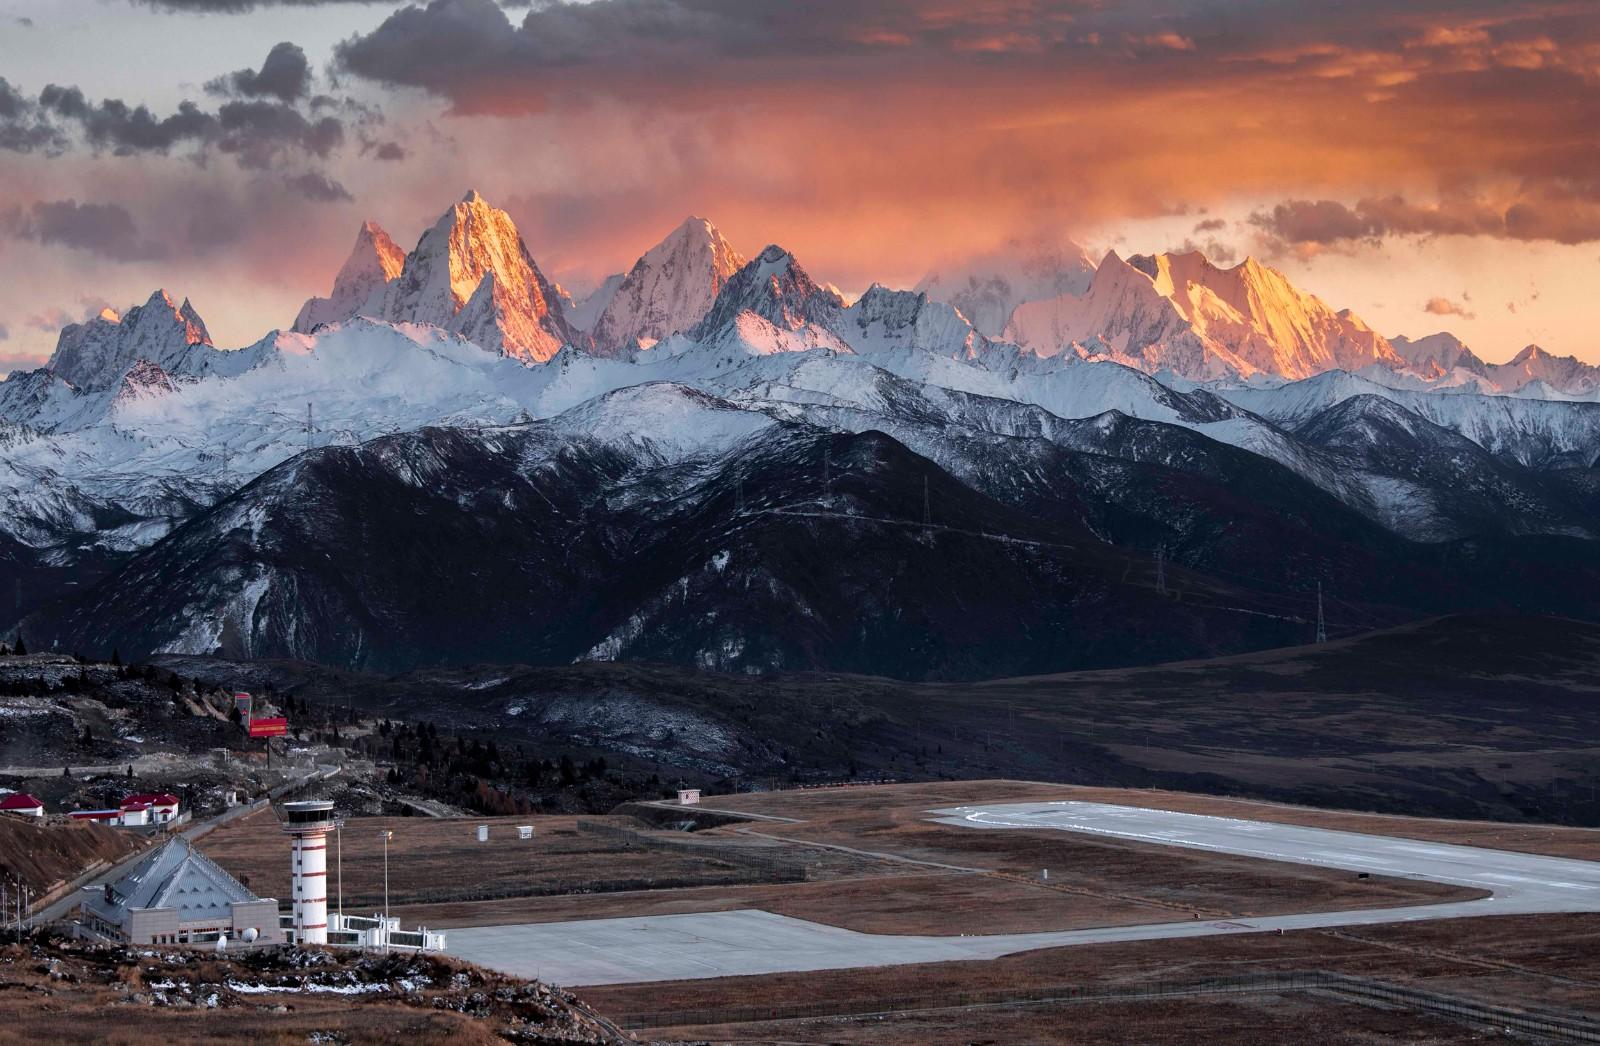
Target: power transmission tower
point(1322, 624)
point(1161, 569)
point(310, 426)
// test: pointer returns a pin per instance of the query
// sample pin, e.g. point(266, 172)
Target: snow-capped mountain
point(1535, 433)
point(774, 296)
point(1179, 313)
point(1443, 361)
point(374, 263)
point(472, 274)
point(584, 312)
point(1366, 477)
point(96, 353)
point(988, 288)
point(103, 360)
point(669, 289)
point(1564, 374)
point(1436, 355)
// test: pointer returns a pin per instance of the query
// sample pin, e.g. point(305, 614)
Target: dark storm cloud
point(124, 129)
point(258, 132)
point(236, 7)
point(106, 229)
point(1559, 210)
point(24, 126)
point(285, 74)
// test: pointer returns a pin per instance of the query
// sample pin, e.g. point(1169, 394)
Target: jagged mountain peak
point(1182, 313)
point(374, 262)
point(669, 289)
point(96, 353)
point(774, 287)
point(471, 273)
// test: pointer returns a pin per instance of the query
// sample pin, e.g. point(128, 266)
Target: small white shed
point(688, 796)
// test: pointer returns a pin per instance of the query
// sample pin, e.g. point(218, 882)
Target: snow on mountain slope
point(96, 353)
point(471, 274)
point(1534, 433)
point(987, 289)
point(1567, 375)
point(669, 289)
point(583, 313)
point(1437, 354)
point(374, 262)
point(157, 343)
point(776, 289)
point(1432, 483)
point(166, 423)
point(1179, 312)
point(1443, 361)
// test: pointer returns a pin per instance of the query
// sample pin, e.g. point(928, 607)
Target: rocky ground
point(54, 990)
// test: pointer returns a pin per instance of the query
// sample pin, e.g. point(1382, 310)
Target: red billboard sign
point(275, 727)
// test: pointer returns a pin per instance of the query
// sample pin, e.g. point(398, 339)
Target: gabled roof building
point(22, 803)
point(177, 895)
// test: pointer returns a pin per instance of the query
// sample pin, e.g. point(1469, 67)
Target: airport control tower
point(308, 823)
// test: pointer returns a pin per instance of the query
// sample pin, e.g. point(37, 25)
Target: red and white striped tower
point(308, 823)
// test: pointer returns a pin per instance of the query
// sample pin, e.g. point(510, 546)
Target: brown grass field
point(1242, 1020)
point(1541, 961)
point(909, 876)
point(904, 874)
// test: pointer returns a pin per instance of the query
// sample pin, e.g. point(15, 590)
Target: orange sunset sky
point(1431, 165)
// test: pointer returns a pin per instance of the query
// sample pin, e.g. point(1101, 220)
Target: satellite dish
point(251, 934)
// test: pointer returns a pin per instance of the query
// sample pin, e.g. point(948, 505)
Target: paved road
point(193, 830)
point(721, 944)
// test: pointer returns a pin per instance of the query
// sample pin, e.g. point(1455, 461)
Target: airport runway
point(724, 944)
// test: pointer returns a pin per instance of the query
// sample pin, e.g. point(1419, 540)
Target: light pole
point(338, 856)
point(387, 835)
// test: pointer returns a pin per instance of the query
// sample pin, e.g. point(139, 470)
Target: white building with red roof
point(160, 807)
point(22, 804)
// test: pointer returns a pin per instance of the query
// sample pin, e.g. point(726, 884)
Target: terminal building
point(177, 895)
